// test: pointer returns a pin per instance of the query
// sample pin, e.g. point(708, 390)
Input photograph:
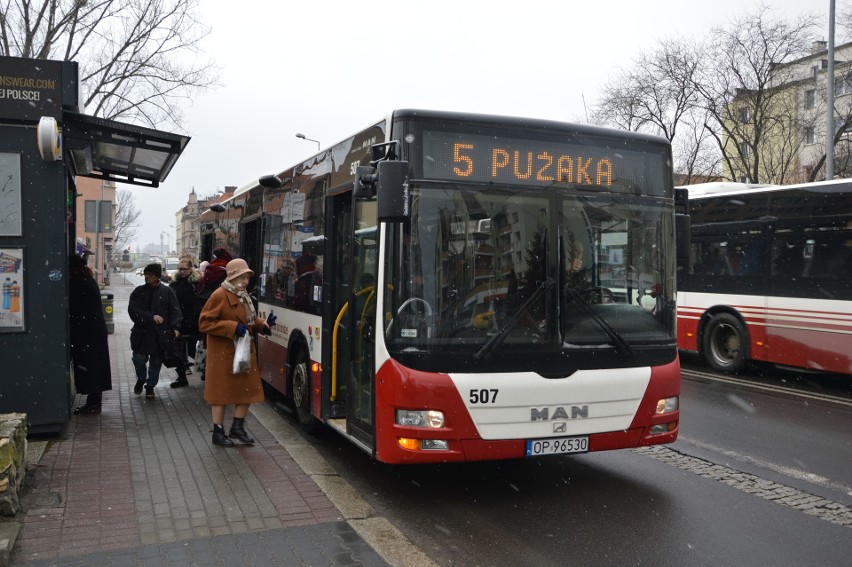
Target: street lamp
point(168, 242)
point(302, 136)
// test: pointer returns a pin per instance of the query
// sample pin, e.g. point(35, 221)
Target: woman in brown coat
point(227, 315)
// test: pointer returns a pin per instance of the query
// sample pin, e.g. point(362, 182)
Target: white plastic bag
point(242, 354)
point(200, 356)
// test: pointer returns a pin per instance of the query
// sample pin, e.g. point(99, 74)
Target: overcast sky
point(328, 69)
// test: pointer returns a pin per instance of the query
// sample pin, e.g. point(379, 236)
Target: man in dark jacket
point(184, 286)
point(154, 309)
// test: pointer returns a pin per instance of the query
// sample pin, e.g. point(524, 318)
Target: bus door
point(250, 252)
point(206, 247)
point(350, 265)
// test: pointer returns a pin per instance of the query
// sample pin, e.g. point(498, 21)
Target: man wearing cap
point(155, 311)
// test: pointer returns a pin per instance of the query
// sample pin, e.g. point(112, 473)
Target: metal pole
point(303, 137)
point(98, 269)
point(829, 98)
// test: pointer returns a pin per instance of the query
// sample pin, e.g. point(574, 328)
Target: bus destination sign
point(498, 159)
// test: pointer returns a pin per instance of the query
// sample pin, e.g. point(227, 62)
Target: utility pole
point(829, 98)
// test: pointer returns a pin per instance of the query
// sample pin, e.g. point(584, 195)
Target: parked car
point(170, 268)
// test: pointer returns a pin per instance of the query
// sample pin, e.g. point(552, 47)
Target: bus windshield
point(488, 274)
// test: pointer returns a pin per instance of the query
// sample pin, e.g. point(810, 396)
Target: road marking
point(773, 388)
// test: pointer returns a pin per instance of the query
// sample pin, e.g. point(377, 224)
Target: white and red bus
point(769, 276)
point(459, 287)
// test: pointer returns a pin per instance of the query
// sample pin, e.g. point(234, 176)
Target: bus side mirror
point(392, 191)
point(365, 182)
point(269, 181)
point(683, 226)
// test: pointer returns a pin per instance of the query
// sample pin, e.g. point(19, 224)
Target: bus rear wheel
point(725, 343)
point(300, 393)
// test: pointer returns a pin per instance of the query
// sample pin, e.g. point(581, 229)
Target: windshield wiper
point(498, 339)
point(620, 344)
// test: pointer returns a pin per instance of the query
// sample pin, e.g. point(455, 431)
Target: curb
point(389, 542)
point(11, 527)
point(8, 534)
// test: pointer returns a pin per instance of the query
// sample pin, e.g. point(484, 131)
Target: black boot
point(219, 437)
point(92, 406)
point(238, 431)
point(181, 379)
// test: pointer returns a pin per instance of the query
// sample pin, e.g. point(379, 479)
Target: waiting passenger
point(751, 263)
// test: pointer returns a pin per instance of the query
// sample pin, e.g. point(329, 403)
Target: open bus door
point(350, 268)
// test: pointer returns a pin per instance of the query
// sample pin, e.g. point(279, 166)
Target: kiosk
point(45, 142)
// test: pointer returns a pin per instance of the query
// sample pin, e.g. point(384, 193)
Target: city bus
point(459, 287)
point(769, 276)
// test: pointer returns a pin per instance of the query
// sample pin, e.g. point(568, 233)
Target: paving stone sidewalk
point(142, 484)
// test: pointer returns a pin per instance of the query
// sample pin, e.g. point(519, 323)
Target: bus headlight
point(423, 444)
point(663, 428)
point(666, 405)
point(420, 418)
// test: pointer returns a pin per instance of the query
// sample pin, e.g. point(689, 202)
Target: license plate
point(557, 446)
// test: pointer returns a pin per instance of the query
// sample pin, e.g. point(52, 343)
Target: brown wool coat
point(219, 319)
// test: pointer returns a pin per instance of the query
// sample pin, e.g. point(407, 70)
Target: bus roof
point(731, 188)
point(720, 187)
point(526, 123)
point(516, 121)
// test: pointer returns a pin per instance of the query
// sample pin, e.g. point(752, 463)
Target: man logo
point(559, 412)
point(560, 427)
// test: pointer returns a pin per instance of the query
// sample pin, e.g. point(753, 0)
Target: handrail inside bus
point(333, 396)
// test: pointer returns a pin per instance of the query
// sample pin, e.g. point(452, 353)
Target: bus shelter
point(46, 141)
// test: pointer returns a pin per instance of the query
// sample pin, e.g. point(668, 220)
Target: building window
point(744, 179)
point(745, 115)
point(810, 135)
point(843, 85)
point(745, 150)
point(810, 98)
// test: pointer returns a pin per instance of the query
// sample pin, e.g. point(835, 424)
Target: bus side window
point(751, 262)
point(787, 259)
point(840, 259)
point(817, 266)
point(307, 290)
point(721, 261)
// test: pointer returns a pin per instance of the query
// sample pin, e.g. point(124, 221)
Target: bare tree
point(127, 222)
point(138, 58)
point(842, 140)
point(843, 22)
point(842, 148)
point(742, 89)
point(696, 157)
point(657, 94)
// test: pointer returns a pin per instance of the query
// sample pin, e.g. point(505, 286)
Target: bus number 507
point(483, 396)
